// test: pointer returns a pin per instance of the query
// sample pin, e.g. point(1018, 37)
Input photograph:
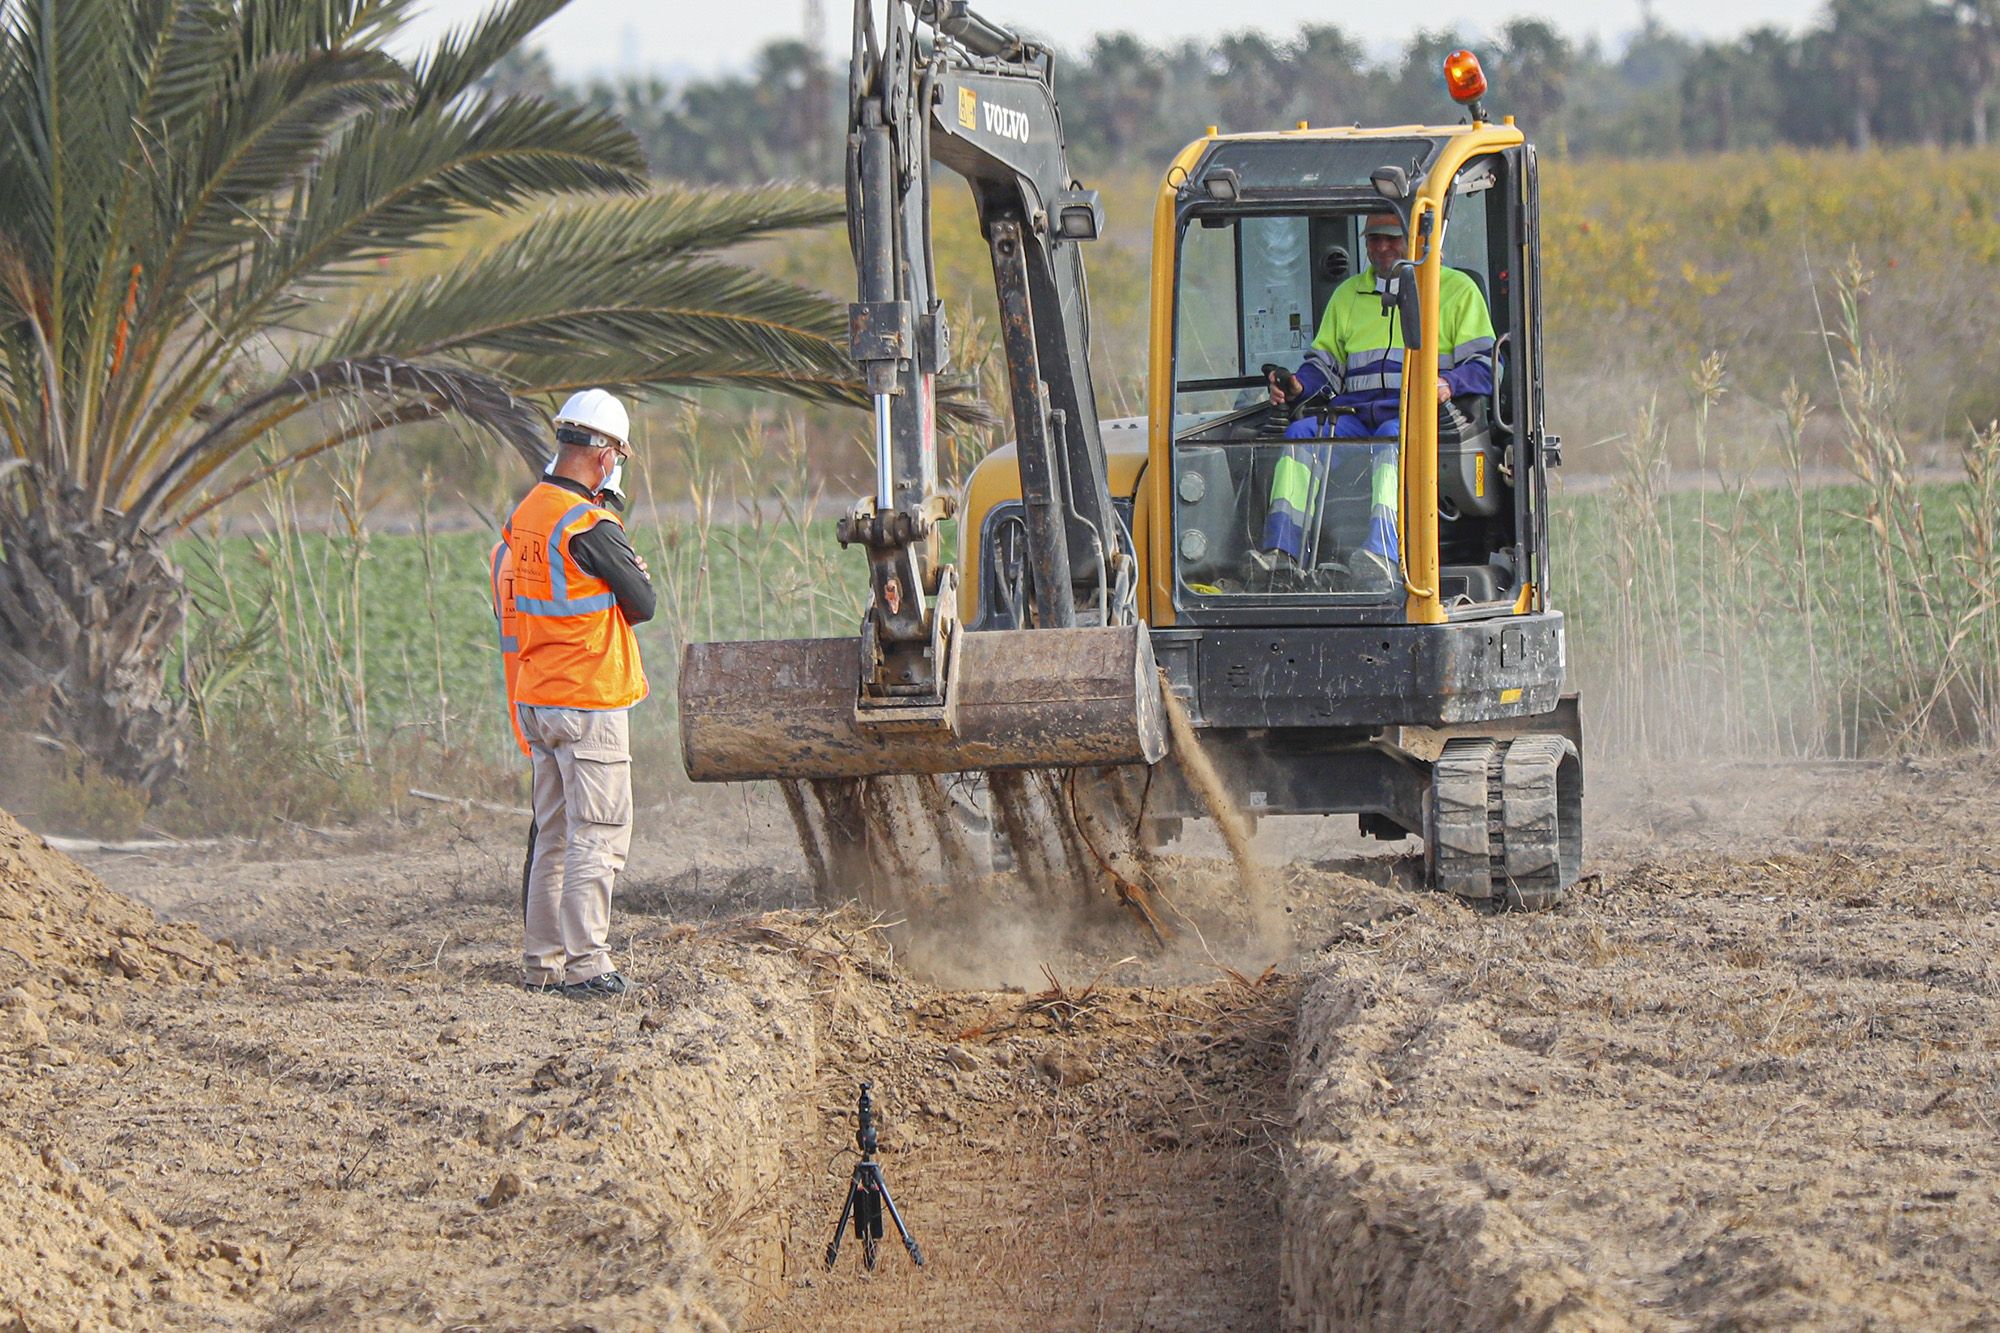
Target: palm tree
point(192, 193)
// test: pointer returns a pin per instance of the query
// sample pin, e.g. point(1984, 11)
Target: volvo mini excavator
point(1101, 562)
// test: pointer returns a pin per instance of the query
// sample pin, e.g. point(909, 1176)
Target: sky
point(700, 37)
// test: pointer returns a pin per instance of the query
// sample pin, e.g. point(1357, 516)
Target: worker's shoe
point(604, 984)
point(1370, 571)
point(544, 987)
point(1277, 569)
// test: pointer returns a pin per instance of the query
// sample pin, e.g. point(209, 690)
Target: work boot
point(604, 984)
point(544, 987)
point(1278, 570)
point(1370, 571)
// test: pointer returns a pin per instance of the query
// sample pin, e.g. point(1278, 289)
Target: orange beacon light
point(1465, 81)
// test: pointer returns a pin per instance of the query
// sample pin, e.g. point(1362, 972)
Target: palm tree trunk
point(87, 619)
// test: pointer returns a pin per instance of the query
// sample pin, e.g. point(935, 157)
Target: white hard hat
point(594, 409)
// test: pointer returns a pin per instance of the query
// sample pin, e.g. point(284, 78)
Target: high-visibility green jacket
point(1358, 351)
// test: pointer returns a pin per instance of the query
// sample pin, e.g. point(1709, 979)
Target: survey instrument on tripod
point(868, 1197)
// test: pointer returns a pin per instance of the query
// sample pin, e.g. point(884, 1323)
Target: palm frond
point(377, 421)
point(210, 184)
point(377, 383)
point(463, 57)
point(193, 45)
point(67, 111)
point(834, 386)
point(834, 381)
point(395, 181)
point(267, 133)
point(274, 27)
point(509, 305)
point(674, 221)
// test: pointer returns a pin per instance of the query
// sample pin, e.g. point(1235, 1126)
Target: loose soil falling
point(1748, 1077)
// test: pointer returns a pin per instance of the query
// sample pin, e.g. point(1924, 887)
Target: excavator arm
point(995, 122)
point(981, 101)
point(916, 693)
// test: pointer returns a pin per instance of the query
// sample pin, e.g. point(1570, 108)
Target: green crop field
point(1740, 619)
point(398, 629)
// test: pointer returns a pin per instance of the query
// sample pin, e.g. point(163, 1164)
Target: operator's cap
point(1381, 225)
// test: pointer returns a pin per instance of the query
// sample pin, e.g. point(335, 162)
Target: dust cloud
point(1201, 775)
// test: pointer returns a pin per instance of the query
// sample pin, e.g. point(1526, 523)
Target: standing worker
point(578, 589)
point(500, 561)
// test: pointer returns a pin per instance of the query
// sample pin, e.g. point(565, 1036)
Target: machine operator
point(1356, 362)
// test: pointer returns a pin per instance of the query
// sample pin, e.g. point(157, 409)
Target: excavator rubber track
point(1507, 821)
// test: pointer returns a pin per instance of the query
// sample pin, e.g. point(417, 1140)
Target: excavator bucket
point(1042, 698)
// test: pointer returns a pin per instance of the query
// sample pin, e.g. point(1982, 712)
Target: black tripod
point(867, 1196)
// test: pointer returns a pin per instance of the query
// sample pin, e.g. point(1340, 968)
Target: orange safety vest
point(577, 651)
point(504, 616)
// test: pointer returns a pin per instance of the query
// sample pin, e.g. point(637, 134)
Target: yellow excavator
point(1102, 562)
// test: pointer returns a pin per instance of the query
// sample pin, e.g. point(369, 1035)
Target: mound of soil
point(1755, 1090)
point(410, 1136)
point(59, 925)
point(77, 1258)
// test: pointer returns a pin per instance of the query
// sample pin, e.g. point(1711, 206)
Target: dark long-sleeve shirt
point(605, 553)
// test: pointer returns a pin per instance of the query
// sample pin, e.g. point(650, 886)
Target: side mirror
point(1400, 295)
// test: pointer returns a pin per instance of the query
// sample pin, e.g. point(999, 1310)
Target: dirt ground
point(1748, 1079)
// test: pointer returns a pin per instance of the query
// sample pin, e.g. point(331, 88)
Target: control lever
point(1280, 416)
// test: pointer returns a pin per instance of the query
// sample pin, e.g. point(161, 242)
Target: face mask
point(615, 483)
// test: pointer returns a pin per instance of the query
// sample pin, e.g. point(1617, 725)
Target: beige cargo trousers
point(583, 829)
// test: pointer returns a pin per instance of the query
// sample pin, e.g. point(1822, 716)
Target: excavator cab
point(1266, 230)
point(1421, 693)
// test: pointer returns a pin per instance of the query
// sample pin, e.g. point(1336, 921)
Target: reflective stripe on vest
point(560, 603)
point(1362, 347)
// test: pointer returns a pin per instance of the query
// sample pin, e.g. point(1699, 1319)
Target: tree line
point(1866, 72)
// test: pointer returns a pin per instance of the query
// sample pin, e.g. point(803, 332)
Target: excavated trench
point(1077, 1157)
point(1084, 1149)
